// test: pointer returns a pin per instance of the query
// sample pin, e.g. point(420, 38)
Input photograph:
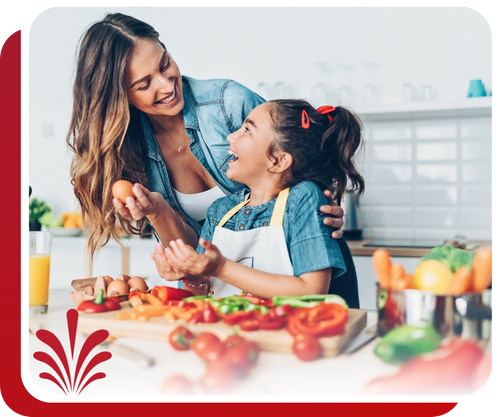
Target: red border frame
point(13, 391)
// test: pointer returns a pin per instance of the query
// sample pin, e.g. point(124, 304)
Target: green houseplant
point(37, 209)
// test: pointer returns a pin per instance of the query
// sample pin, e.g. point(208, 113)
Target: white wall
point(443, 47)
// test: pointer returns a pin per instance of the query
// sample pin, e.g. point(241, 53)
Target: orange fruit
point(432, 275)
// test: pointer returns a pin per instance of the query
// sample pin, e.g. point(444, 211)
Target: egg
point(117, 287)
point(137, 283)
point(122, 189)
point(107, 280)
point(124, 277)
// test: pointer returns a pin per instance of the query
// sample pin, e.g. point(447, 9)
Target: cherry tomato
point(234, 340)
point(177, 385)
point(207, 345)
point(181, 338)
point(219, 377)
point(306, 347)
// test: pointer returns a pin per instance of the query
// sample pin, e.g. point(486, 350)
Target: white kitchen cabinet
point(68, 263)
point(367, 279)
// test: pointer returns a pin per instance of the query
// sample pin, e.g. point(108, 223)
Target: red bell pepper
point(249, 325)
point(326, 319)
point(165, 293)
point(208, 313)
point(99, 304)
point(236, 316)
point(447, 370)
point(196, 317)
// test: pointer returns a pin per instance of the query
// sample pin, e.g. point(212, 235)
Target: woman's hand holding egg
point(134, 202)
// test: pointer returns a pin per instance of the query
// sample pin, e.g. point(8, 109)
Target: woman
point(136, 118)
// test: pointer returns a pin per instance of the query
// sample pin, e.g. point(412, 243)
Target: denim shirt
point(308, 239)
point(213, 109)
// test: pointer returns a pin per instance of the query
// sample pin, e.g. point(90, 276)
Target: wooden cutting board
point(156, 328)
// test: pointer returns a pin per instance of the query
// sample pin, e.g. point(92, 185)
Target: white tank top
point(196, 205)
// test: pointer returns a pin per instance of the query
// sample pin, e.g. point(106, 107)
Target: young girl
point(272, 241)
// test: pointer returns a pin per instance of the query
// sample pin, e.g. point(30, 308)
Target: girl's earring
point(305, 120)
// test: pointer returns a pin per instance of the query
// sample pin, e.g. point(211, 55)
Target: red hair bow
point(326, 110)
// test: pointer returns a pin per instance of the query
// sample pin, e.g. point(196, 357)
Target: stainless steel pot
point(467, 315)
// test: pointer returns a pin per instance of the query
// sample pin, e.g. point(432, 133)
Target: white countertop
point(276, 374)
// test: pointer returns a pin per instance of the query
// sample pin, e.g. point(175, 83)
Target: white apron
point(263, 248)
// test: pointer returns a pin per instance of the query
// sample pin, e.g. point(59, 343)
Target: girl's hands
point(146, 204)
point(337, 212)
point(185, 259)
point(164, 268)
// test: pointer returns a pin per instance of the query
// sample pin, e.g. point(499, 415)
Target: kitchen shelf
point(467, 107)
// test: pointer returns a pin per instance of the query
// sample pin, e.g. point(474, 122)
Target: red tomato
point(181, 338)
point(177, 385)
point(219, 377)
point(306, 347)
point(243, 356)
point(207, 345)
point(234, 341)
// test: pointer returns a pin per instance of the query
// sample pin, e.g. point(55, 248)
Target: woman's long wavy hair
point(325, 153)
point(105, 133)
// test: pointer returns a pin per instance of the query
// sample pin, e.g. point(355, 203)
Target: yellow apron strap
point(232, 212)
point(279, 208)
point(278, 211)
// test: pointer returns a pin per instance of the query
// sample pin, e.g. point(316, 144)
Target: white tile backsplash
point(477, 150)
point(477, 172)
point(436, 173)
point(436, 195)
point(436, 129)
point(390, 131)
point(428, 178)
point(476, 127)
point(392, 152)
point(437, 152)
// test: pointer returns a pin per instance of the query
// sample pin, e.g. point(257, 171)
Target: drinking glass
point(321, 93)
point(346, 93)
point(369, 93)
point(39, 272)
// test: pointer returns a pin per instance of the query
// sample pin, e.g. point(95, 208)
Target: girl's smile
point(250, 145)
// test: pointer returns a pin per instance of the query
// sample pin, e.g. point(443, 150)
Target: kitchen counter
point(358, 249)
point(276, 374)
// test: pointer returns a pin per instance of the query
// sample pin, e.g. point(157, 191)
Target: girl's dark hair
point(104, 131)
point(323, 153)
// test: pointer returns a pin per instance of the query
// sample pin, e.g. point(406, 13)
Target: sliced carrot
point(153, 300)
point(481, 269)
point(461, 281)
point(122, 315)
point(150, 310)
point(382, 265)
point(135, 300)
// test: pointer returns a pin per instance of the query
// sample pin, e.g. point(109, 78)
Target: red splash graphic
point(67, 382)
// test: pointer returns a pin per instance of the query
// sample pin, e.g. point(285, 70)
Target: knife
point(361, 340)
point(142, 359)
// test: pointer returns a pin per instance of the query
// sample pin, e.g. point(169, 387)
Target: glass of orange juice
point(40, 246)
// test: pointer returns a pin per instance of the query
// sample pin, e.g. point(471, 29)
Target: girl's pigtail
point(340, 142)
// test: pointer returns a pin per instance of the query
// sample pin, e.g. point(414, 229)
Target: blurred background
point(406, 71)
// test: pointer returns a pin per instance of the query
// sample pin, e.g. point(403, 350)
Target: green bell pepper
point(406, 341)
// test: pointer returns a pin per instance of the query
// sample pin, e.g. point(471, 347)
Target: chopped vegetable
point(309, 300)
point(405, 342)
point(321, 320)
